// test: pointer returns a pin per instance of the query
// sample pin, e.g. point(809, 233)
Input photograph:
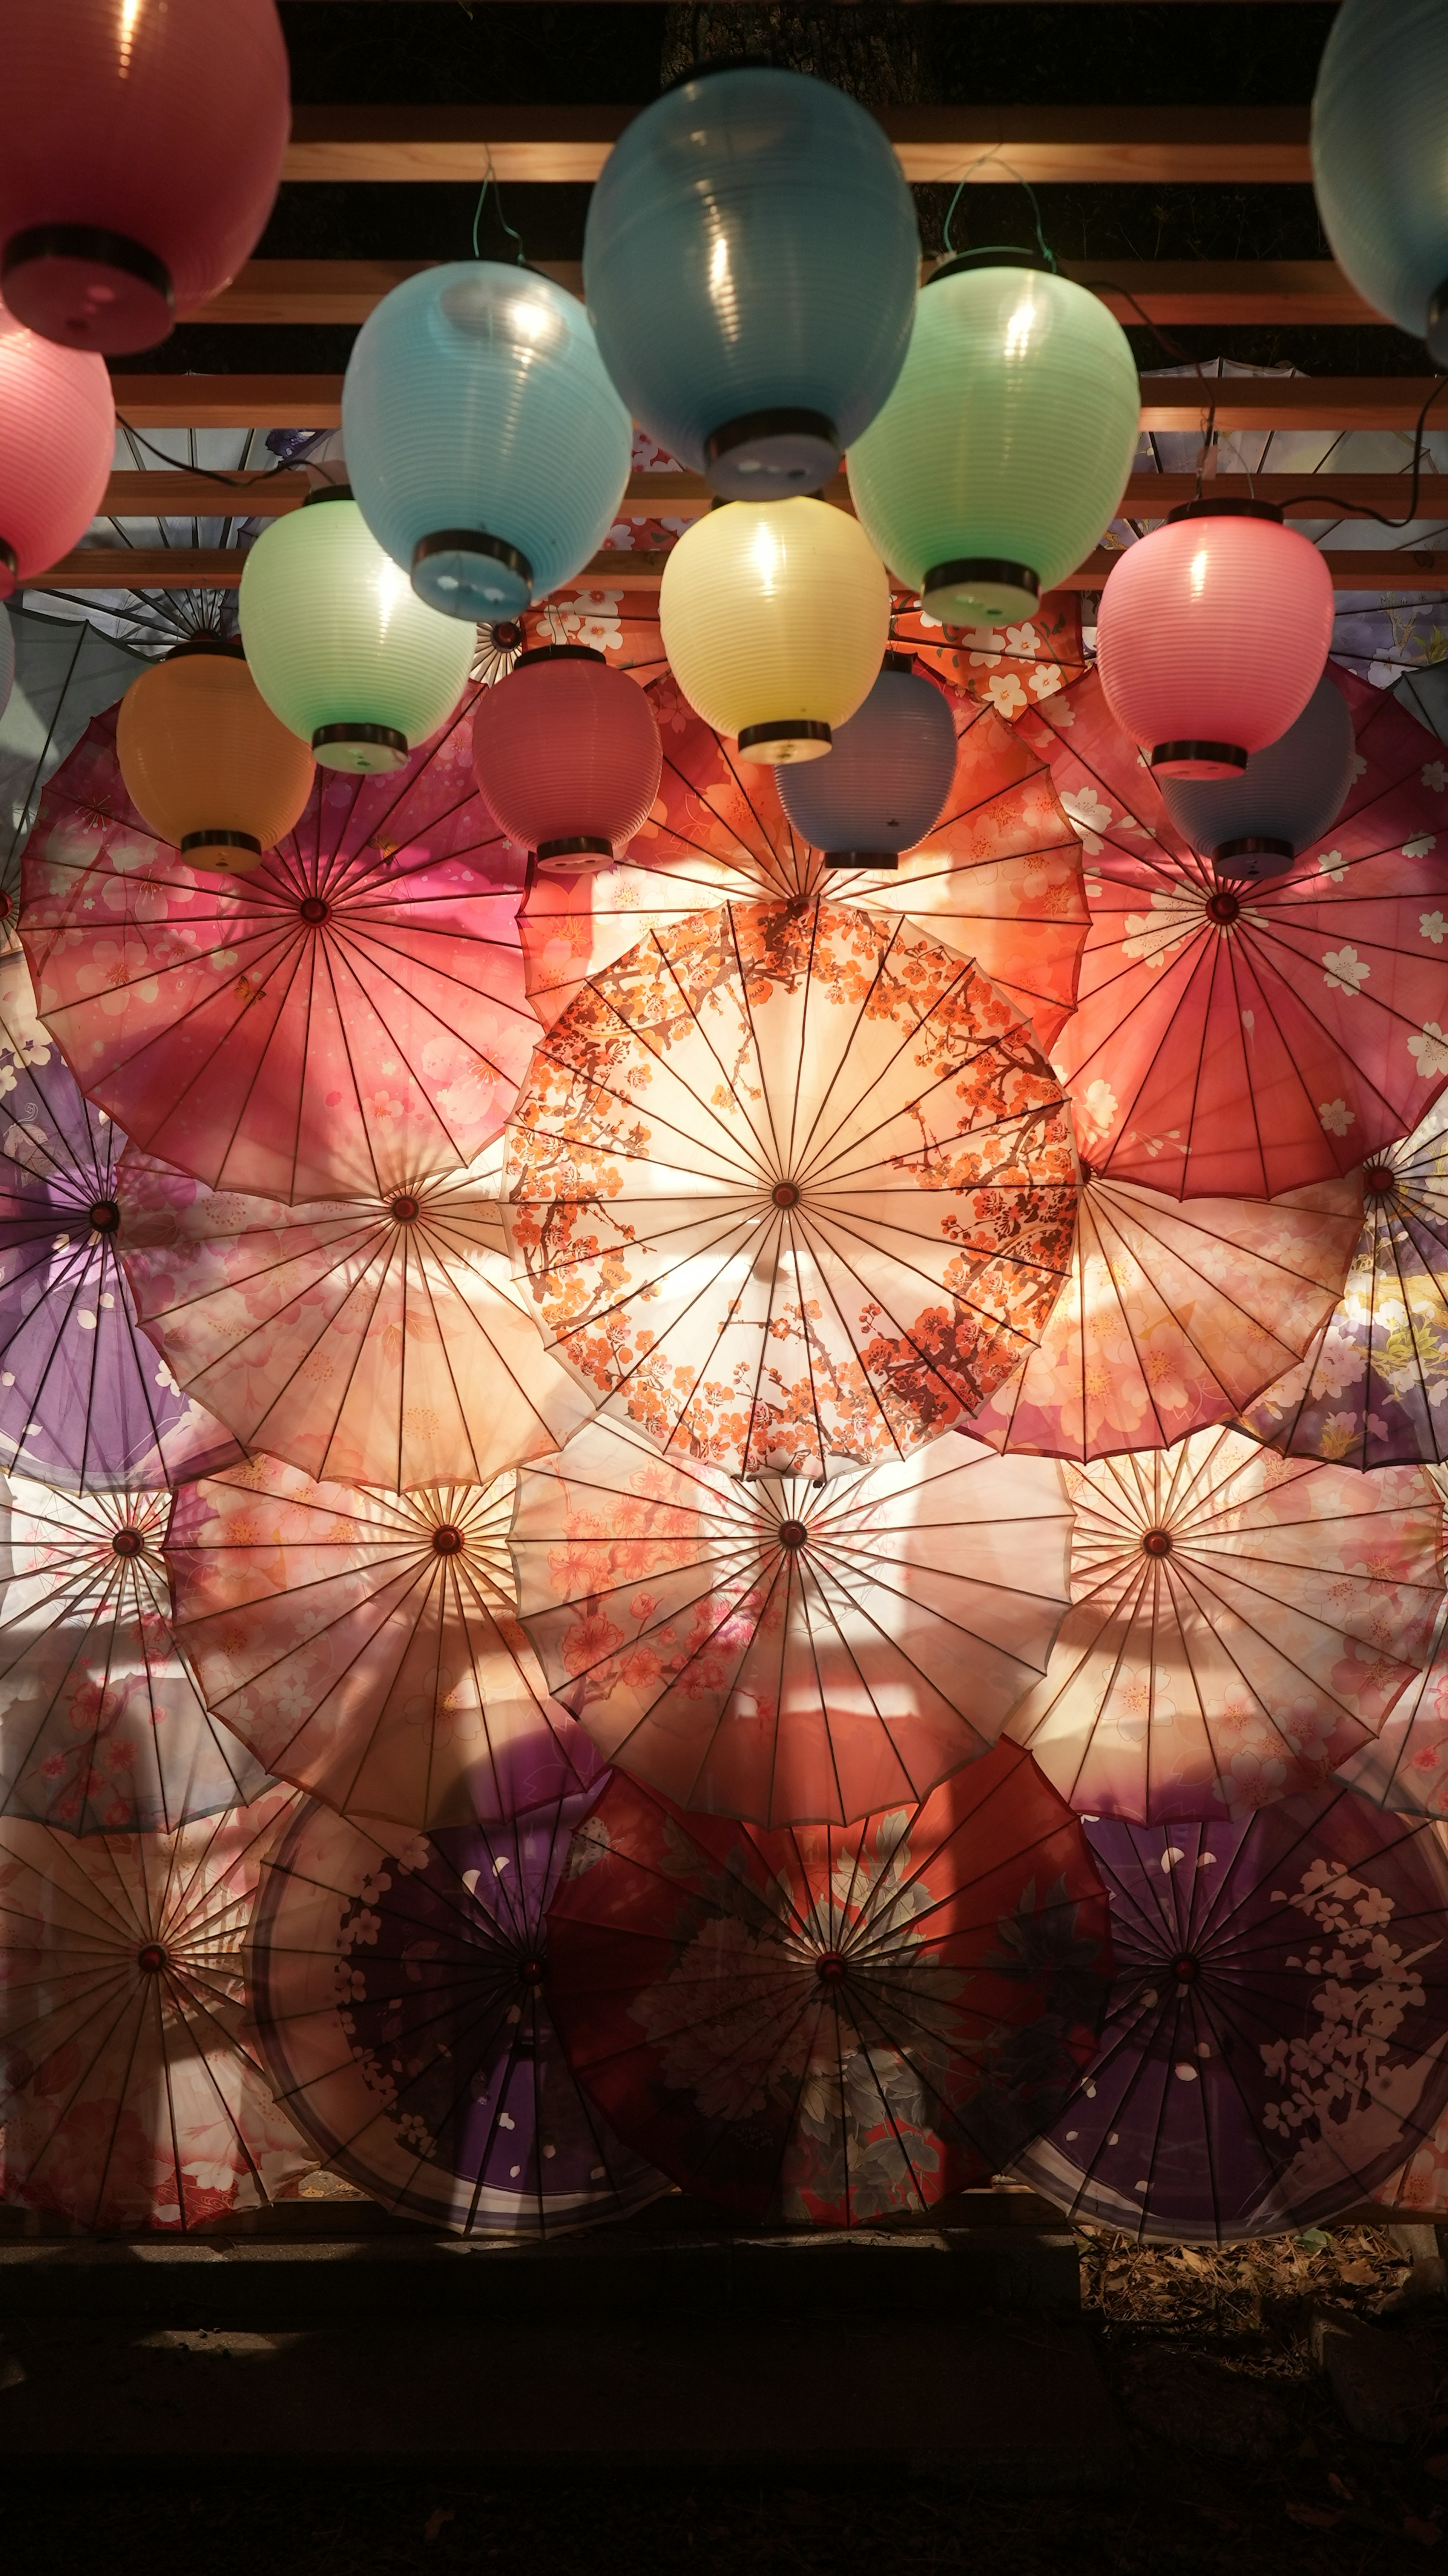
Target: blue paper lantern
point(485, 444)
point(1285, 799)
point(1380, 159)
point(887, 778)
point(750, 264)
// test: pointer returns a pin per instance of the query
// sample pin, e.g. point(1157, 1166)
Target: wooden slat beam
point(1072, 146)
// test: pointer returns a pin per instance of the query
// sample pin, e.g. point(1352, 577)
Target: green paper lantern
point(1000, 458)
point(338, 642)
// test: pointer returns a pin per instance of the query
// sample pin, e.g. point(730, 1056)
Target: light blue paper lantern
point(1285, 799)
point(1380, 159)
point(750, 264)
point(488, 450)
point(887, 778)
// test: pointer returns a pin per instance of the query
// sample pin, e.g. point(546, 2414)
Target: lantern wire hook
point(490, 180)
point(1044, 247)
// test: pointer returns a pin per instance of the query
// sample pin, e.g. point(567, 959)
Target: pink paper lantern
point(143, 146)
point(1212, 636)
point(57, 435)
point(567, 755)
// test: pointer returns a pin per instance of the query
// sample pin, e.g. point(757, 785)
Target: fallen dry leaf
point(1316, 2515)
point(1428, 2533)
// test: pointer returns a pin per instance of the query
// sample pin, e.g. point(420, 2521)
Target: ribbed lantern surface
point(206, 764)
point(487, 448)
point(1212, 635)
point(1379, 117)
point(340, 646)
point(1284, 800)
point(774, 617)
point(143, 146)
point(750, 263)
point(1002, 454)
point(567, 755)
point(887, 777)
point(57, 434)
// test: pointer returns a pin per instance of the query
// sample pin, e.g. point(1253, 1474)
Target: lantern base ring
point(583, 845)
point(87, 288)
point(976, 589)
point(767, 455)
point(9, 569)
point(466, 573)
point(367, 749)
point(861, 858)
point(1253, 856)
point(244, 849)
point(1198, 760)
point(769, 746)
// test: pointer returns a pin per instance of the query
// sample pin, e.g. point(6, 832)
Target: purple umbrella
point(1277, 2041)
point(400, 1995)
point(86, 1402)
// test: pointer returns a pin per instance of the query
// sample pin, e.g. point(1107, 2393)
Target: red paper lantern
point(143, 146)
point(1212, 636)
point(57, 437)
point(566, 753)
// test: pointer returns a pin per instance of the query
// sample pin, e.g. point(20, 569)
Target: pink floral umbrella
point(129, 2095)
point(1175, 1315)
point(102, 1728)
point(378, 1340)
point(1247, 1040)
point(998, 880)
point(366, 1645)
point(353, 1007)
point(1242, 1624)
point(789, 1184)
point(787, 1650)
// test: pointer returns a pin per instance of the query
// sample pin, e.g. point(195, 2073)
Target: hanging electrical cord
point(490, 180)
point(240, 482)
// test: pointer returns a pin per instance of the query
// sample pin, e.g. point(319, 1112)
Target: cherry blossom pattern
point(1276, 2038)
point(784, 1650)
point(366, 1645)
point(1176, 1313)
point(1242, 1623)
point(376, 1340)
point(129, 2094)
point(1405, 1767)
point(102, 1728)
point(790, 1185)
point(1372, 1387)
point(400, 1990)
point(354, 1006)
point(85, 1400)
point(830, 2027)
point(1008, 668)
point(1239, 1039)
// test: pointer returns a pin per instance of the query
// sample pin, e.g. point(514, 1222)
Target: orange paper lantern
point(206, 763)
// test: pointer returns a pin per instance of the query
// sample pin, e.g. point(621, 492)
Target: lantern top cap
point(558, 653)
point(230, 647)
point(898, 661)
point(1226, 510)
point(968, 259)
point(328, 492)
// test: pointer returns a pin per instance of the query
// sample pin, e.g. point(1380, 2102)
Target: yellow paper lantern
point(775, 615)
point(207, 765)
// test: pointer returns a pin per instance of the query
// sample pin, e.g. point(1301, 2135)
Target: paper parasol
point(1278, 2033)
point(1176, 1313)
point(354, 1006)
point(401, 1993)
point(1372, 1389)
point(85, 1400)
point(828, 2027)
point(102, 1729)
point(1009, 668)
point(790, 1184)
point(1244, 1040)
point(1241, 1625)
point(782, 1650)
point(375, 1341)
point(1405, 1766)
point(128, 2096)
point(366, 1645)
point(999, 878)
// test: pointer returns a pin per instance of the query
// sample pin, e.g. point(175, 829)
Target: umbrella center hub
point(1156, 1542)
point(1378, 1181)
point(405, 1208)
point(151, 1957)
point(447, 1541)
point(829, 1968)
point(785, 1194)
point(127, 1542)
point(792, 1534)
point(105, 1216)
point(532, 1972)
point(1223, 906)
point(312, 908)
point(1185, 1969)
point(506, 635)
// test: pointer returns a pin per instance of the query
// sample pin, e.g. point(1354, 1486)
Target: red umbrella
point(349, 1014)
point(1244, 1040)
point(826, 2026)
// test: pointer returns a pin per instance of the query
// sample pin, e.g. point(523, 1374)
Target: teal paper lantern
point(1380, 159)
point(887, 778)
point(486, 446)
point(750, 264)
point(1000, 459)
point(1255, 825)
